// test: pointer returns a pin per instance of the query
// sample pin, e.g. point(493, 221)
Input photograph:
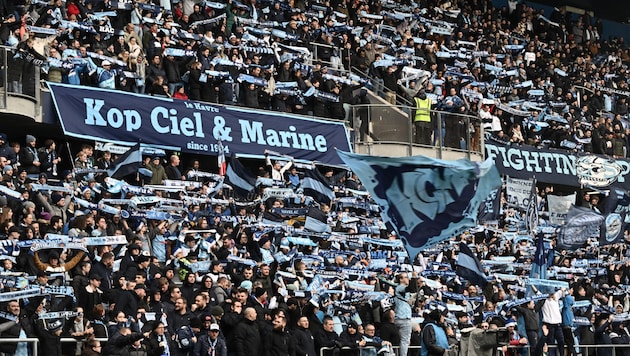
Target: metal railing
point(381, 124)
point(526, 350)
point(19, 77)
point(29, 340)
point(35, 341)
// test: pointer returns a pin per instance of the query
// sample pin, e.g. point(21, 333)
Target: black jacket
point(279, 343)
point(118, 344)
point(153, 344)
point(203, 345)
point(12, 332)
point(127, 302)
point(304, 342)
point(326, 339)
point(247, 340)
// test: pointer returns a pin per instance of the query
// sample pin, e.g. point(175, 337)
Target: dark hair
point(55, 219)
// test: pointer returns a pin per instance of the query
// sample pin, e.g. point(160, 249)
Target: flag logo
point(426, 200)
point(597, 171)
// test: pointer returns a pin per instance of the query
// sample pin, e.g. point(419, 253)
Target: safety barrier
point(35, 342)
point(590, 350)
point(30, 340)
point(18, 77)
point(375, 124)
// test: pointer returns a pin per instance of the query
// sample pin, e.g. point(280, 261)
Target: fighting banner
point(98, 114)
point(558, 167)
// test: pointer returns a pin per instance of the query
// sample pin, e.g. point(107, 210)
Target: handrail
point(370, 78)
point(33, 340)
point(385, 124)
point(6, 92)
point(524, 348)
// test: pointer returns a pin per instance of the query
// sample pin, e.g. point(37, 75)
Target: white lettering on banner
point(200, 106)
point(132, 120)
point(185, 126)
point(166, 121)
point(253, 132)
point(531, 161)
point(115, 117)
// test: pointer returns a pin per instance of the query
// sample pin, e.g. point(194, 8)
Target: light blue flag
point(425, 200)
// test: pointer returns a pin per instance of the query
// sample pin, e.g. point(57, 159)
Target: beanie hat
point(56, 197)
point(258, 292)
point(216, 311)
point(30, 138)
point(247, 285)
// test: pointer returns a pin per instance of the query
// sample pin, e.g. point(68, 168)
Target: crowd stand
point(194, 268)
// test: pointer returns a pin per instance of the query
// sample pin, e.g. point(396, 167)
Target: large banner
point(98, 114)
point(425, 200)
point(557, 166)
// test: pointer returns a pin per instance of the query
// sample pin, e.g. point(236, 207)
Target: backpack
point(184, 338)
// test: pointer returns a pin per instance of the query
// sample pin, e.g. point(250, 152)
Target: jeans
point(436, 134)
point(556, 334)
point(404, 329)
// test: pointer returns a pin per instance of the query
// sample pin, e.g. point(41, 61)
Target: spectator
point(247, 337)
point(118, 344)
point(172, 171)
point(211, 343)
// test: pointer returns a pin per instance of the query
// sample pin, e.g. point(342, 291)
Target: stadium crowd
point(223, 275)
point(531, 79)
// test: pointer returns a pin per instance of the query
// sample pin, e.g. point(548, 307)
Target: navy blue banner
point(98, 114)
point(558, 167)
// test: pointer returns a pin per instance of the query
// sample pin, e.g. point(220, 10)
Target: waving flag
point(580, 225)
point(315, 185)
point(539, 265)
point(531, 214)
point(316, 220)
point(469, 267)
point(126, 164)
point(239, 178)
point(612, 228)
point(425, 200)
point(491, 206)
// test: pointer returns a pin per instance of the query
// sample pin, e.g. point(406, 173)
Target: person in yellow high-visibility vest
point(422, 118)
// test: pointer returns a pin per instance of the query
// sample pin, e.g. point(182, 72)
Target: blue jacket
point(567, 310)
point(203, 345)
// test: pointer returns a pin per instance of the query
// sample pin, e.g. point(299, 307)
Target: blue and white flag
point(126, 164)
point(539, 265)
point(559, 207)
point(425, 200)
point(580, 225)
point(469, 267)
point(239, 178)
point(316, 220)
point(531, 214)
point(612, 228)
point(491, 206)
point(315, 185)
